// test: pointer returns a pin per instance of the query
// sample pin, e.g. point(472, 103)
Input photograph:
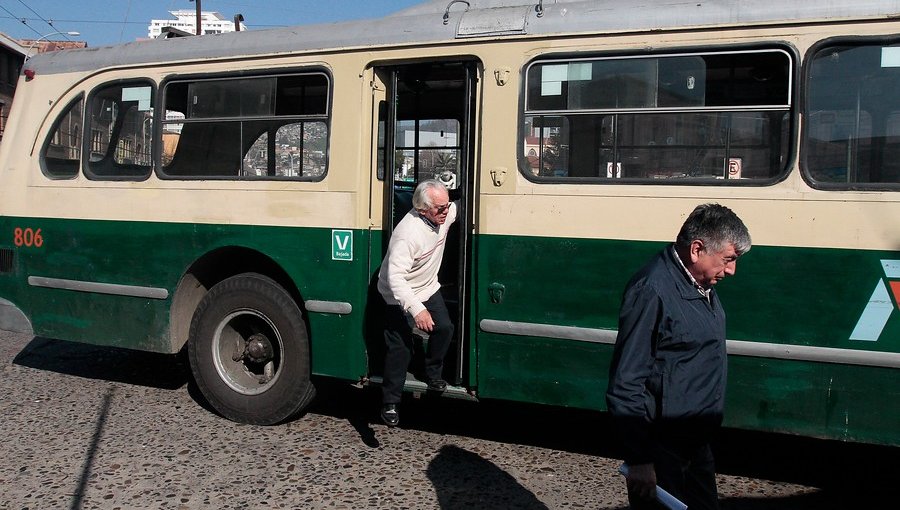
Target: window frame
point(792, 109)
point(417, 148)
point(52, 132)
point(87, 136)
point(188, 78)
point(858, 41)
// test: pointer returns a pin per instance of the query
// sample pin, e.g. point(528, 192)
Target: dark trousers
point(688, 472)
point(399, 342)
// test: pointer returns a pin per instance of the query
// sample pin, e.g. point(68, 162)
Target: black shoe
point(437, 384)
point(389, 415)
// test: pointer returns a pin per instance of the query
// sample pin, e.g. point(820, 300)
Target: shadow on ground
point(847, 475)
point(164, 371)
point(465, 480)
point(842, 475)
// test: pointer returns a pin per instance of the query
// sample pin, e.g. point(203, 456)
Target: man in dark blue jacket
point(667, 378)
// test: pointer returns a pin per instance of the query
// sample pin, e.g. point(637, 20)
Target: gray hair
point(422, 198)
point(717, 226)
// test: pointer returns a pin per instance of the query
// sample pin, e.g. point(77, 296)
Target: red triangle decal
point(895, 288)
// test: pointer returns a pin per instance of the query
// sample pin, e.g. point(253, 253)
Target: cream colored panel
point(497, 167)
point(134, 202)
point(335, 201)
point(792, 222)
point(788, 213)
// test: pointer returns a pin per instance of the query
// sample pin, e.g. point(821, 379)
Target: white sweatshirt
point(409, 272)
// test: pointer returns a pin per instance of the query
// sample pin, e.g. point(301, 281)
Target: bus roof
point(438, 21)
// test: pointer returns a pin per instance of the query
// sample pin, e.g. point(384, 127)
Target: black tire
point(270, 387)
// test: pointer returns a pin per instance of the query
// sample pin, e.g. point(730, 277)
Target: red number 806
point(27, 237)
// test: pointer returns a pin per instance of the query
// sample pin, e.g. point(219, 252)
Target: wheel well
point(211, 269)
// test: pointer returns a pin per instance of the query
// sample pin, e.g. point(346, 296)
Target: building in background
point(12, 56)
point(186, 21)
point(35, 46)
point(13, 53)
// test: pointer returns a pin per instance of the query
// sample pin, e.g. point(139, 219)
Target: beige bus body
point(508, 203)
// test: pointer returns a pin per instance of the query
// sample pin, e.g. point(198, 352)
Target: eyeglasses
point(441, 208)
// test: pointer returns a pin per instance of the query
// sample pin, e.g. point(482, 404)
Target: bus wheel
point(249, 351)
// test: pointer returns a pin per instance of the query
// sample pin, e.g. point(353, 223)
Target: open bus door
point(425, 130)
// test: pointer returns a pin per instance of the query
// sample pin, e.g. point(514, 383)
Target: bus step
point(418, 387)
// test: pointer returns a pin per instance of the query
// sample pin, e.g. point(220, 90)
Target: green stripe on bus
point(805, 296)
point(150, 254)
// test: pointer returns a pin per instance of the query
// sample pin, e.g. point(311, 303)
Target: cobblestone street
point(90, 427)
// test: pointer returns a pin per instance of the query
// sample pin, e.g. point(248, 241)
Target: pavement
point(95, 427)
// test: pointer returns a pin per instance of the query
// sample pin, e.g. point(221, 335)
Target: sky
point(105, 22)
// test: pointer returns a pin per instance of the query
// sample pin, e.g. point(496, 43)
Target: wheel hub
point(256, 349)
point(259, 348)
point(248, 351)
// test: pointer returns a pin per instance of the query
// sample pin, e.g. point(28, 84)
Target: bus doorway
point(425, 131)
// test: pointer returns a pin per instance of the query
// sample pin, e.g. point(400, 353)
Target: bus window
point(852, 118)
point(544, 152)
point(426, 133)
point(429, 149)
point(121, 128)
point(258, 127)
point(61, 155)
point(706, 116)
point(300, 149)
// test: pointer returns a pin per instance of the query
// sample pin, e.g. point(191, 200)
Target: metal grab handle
point(447, 12)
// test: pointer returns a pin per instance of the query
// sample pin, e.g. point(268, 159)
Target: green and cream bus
point(232, 195)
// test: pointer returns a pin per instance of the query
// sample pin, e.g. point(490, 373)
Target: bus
point(232, 195)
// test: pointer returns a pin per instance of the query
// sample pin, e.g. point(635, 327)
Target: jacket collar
point(687, 286)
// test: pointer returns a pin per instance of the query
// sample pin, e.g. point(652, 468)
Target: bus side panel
point(806, 296)
point(97, 252)
point(375, 307)
point(846, 402)
point(156, 255)
point(337, 340)
point(546, 371)
point(563, 282)
point(797, 296)
point(813, 297)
